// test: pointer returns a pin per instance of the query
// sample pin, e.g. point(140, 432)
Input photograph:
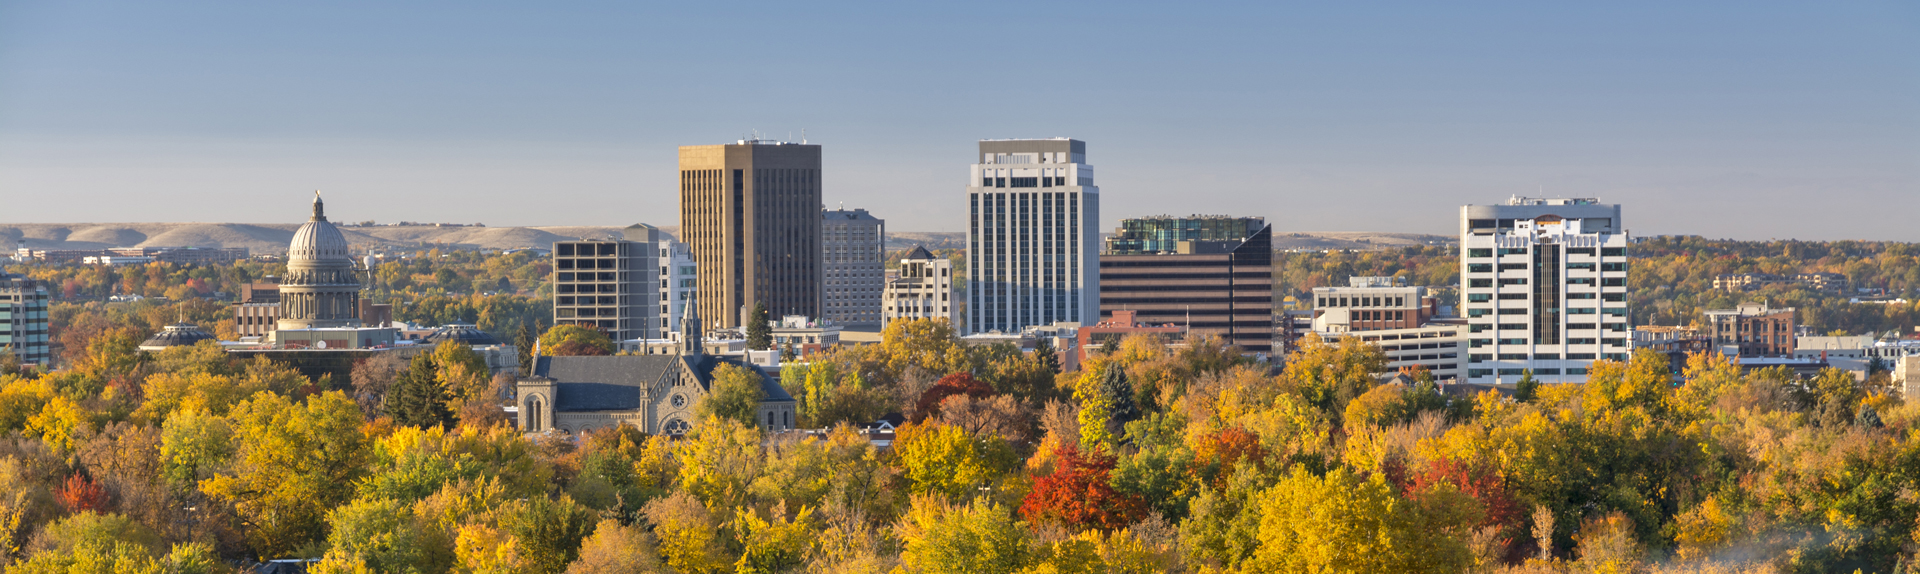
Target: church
point(654, 393)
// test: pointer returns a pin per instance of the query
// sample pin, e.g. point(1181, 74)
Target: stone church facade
point(657, 394)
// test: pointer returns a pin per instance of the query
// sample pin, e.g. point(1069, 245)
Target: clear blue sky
point(1726, 119)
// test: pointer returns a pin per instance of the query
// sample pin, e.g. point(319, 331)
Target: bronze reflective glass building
point(750, 212)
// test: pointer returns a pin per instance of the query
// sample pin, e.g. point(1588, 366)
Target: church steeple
point(319, 209)
point(690, 331)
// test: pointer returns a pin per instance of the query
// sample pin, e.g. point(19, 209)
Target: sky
point(1747, 120)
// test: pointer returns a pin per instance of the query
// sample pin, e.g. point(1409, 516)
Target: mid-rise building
point(855, 260)
point(1033, 236)
point(679, 278)
point(1212, 275)
point(1370, 303)
point(23, 319)
point(750, 211)
point(609, 284)
point(1106, 334)
point(1755, 329)
point(1544, 288)
point(923, 290)
point(1166, 234)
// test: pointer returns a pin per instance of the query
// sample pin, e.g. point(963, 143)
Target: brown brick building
point(750, 213)
point(1755, 328)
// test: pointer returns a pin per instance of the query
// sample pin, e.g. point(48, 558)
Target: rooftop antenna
point(803, 135)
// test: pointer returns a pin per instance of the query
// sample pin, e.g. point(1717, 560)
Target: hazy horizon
point(1748, 121)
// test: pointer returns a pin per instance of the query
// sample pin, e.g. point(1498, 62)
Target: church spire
point(319, 209)
point(690, 331)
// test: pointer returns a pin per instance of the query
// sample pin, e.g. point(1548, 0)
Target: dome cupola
point(318, 239)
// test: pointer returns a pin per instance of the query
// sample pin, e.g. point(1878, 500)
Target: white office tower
point(1033, 240)
point(678, 282)
point(1544, 288)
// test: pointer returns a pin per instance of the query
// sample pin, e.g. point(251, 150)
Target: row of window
point(1587, 281)
point(1616, 342)
point(1488, 267)
point(1486, 252)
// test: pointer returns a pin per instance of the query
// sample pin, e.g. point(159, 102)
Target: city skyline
point(1711, 118)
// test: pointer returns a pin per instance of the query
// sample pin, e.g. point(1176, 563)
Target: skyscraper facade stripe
point(1033, 241)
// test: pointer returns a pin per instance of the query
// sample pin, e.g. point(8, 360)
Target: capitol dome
point(321, 288)
point(318, 239)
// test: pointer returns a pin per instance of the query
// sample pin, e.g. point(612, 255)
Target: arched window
point(769, 419)
point(787, 417)
point(676, 426)
point(533, 414)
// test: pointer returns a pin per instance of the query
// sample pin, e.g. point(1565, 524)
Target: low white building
point(924, 289)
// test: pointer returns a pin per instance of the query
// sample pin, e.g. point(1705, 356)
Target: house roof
point(919, 252)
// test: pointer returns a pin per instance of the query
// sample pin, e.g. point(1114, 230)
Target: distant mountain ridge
point(273, 237)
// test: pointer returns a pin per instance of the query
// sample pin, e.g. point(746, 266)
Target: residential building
point(1755, 329)
point(657, 394)
point(1544, 288)
point(750, 212)
point(679, 278)
point(23, 319)
point(1112, 330)
point(1196, 272)
point(1033, 232)
point(1740, 282)
point(855, 263)
point(923, 289)
point(610, 284)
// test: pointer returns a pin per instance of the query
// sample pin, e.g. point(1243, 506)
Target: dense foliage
point(1152, 458)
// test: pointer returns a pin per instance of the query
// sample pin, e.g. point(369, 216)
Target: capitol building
point(320, 293)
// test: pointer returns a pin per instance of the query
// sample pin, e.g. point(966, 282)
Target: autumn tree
point(950, 385)
point(972, 538)
point(294, 463)
point(574, 340)
point(1078, 494)
point(735, 395)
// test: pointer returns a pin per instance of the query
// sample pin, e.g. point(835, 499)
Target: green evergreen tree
point(1043, 352)
point(1119, 393)
point(417, 397)
point(1527, 388)
point(759, 335)
point(523, 342)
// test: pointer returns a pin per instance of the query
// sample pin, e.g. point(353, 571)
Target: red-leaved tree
point(1078, 494)
point(80, 494)
point(950, 385)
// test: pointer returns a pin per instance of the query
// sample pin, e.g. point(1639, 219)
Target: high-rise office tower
point(1033, 237)
point(750, 211)
point(610, 284)
point(856, 267)
point(1210, 274)
point(1545, 288)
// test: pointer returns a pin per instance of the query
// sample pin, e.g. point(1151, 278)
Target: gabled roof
point(617, 382)
point(919, 252)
